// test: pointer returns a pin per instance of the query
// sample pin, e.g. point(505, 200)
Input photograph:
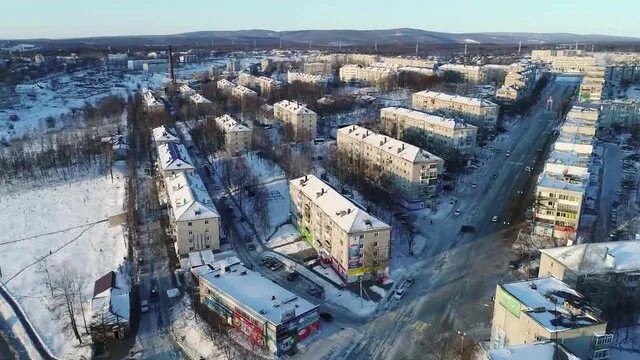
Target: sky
point(23, 19)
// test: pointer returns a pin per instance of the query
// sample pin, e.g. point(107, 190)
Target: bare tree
point(65, 286)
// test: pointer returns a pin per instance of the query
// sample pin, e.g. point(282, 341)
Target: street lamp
point(462, 334)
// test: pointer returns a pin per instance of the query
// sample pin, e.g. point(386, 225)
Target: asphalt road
point(458, 274)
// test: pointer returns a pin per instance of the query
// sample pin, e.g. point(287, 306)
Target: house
point(237, 137)
point(110, 308)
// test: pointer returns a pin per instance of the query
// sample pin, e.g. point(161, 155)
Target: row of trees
point(208, 136)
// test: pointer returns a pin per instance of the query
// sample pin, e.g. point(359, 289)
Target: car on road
point(527, 169)
point(326, 316)
point(251, 247)
point(498, 149)
point(474, 185)
point(494, 176)
point(292, 276)
point(144, 306)
point(494, 219)
point(399, 294)
point(453, 201)
point(154, 294)
point(408, 283)
point(457, 212)
point(315, 291)
point(508, 154)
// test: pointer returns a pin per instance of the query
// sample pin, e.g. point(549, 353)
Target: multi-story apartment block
point(302, 119)
point(620, 112)
point(242, 92)
point(445, 134)
point(174, 159)
point(408, 62)
point(150, 102)
point(585, 112)
point(607, 273)
point(233, 65)
point(195, 220)
point(267, 84)
point(495, 72)
point(225, 86)
point(163, 134)
point(470, 73)
point(541, 309)
point(370, 74)
point(582, 144)
point(307, 78)
point(412, 171)
point(355, 242)
point(576, 61)
point(479, 112)
point(579, 126)
point(237, 137)
point(520, 80)
point(317, 68)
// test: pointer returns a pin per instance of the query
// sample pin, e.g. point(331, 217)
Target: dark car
point(326, 316)
point(154, 294)
point(292, 276)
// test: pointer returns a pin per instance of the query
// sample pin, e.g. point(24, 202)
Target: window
point(189, 224)
point(375, 253)
point(375, 234)
point(361, 236)
point(206, 222)
point(375, 243)
point(190, 248)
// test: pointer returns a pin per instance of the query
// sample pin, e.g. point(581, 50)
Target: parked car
point(508, 154)
point(494, 176)
point(474, 185)
point(408, 283)
point(251, 247)
point(527, 169)
point(154, 294)
point(292, 276)
point(457, 212)
point(144, 306)
point(326, 316)
point(399, 294)
point(494, 219)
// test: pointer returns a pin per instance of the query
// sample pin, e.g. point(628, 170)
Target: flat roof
point(537, 351)
point(546, 301)
point(228, 123)
point(598, 258)
point(341, 210)
point(569, 158)
point(558, 181)
point(264, 298)
point(294, 107)
point(450, 123)
point(455, 98)
point(389, 145)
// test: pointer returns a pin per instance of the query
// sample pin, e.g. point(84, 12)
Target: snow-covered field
point(62, 223)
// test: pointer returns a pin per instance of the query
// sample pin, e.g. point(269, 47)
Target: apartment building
point(369, 74)
point(164, 134)
point(519, 81)
point(620, 112)
point(479, 112)
point(233, 65)
point(243, 93)
point(174, 159)
point(576, 61)
point(302, 119)
point(607, 273)
point(237, 137)
point(151, 104)
point(320, 80)
point(408, 62)
point(267, 84)
point(529, 311)
point(268, 315)
point(317, 68)
point(225, 86)
point(587, 112)
point(445, 134)
point(496, 72)
point(194, 218)
point(579, 126)
point(412, 171)
point(540, 350)
point(470, 73)
point(355, 242)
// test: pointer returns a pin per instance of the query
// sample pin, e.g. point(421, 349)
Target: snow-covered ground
point(287, 240)
point(54, 225)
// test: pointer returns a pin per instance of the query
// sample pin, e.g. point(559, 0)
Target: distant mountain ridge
point(345, 37)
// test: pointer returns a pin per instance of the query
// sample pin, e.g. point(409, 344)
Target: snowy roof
point(597, 258)
point(416, 69)
point(229, 124)
point(389, 145)
point(543, 350)
point(293, 106)
point(173, 156)
point(455, 98)
point(185, 89)
point(243, 90)
point(110, 302)
point(459, 67)
point(149, 100)
point(255, 293)
point(574, 138)
point(189, 198)
point(450, 123)
point(548, 300)
point(225, 83)
point(569, 158)
point(163, 134)
point(341, 210)
point(563, 182)
point(199, 99)
point(577, 122)
point(292, 76)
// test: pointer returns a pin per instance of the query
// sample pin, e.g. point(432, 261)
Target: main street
point(457, 275)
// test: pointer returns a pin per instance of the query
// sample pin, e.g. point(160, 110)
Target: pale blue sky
point(78, 18)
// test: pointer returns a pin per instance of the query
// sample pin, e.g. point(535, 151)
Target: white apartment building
point(470, 73)
point(370, 74)
point(356, 243)
point(574, 61)
point(479, 112)
point(302, 119)
point(412, 171)
point(242, 92)
point(151, 104)
point(621, 112)
point(408, 62)
point(307, 78)
point(237, 137)
point(444, 133)
point(520, 80)
point(225, 86)
point(317, 68)
point(195, 220)
point(174, 159)
point(163, 134)
point(267, 84)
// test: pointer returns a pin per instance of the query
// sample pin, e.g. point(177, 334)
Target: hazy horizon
point(74, 19)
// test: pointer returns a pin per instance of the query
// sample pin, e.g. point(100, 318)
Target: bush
point(14, 117)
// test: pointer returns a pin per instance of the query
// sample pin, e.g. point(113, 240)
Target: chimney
point(349, 211)
point(172, 76)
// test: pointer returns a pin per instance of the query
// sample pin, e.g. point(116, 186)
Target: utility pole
point(416, 49)
point(280, 43)
point(519, 47)
point(360, 291)
point(340, 45)
point(376, 46)
point(465, 49)
point(309, 44)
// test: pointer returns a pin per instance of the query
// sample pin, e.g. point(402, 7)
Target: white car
point(508, 154)
point(527, 169)
point(144, 306)
point(408, 283)
point(494, 219)
point(457, 212)
point(399, 294)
